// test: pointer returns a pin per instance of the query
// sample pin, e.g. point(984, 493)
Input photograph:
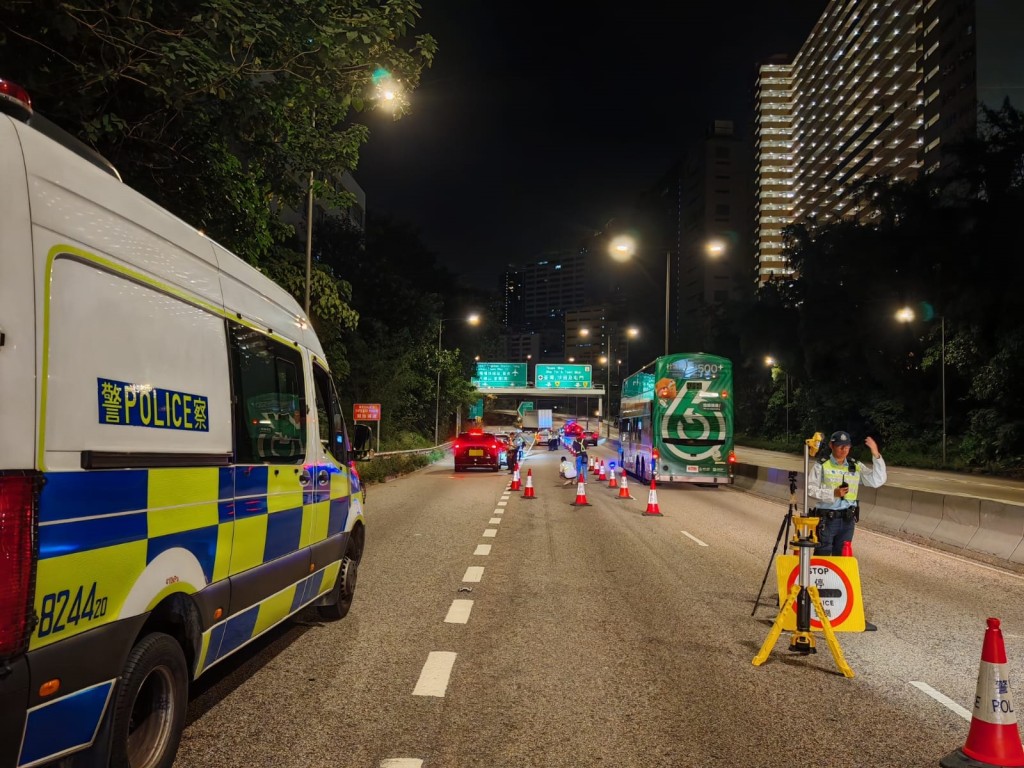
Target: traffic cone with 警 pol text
point(515, 479)
point(624, 486)
point(528, 488)
point(600, 472)
point(652, 500)
point(994, 738)
point(847, 549)
point(581, 495)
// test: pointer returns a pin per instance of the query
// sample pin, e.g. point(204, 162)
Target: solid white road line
point(942, 699)
point(436, 672)
point(459, 612)
point(490, 533)
point(494, 521)
point(401, 762)
point(482, 549)
point(474, 573)
point(691, 536)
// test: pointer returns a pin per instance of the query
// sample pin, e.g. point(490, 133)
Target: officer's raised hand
point(872, 446)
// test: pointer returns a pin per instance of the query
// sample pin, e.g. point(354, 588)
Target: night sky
point(541, 121)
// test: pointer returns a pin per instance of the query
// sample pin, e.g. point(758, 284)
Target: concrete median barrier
point(961, 518)
point(981, 526)
point(1001, 530)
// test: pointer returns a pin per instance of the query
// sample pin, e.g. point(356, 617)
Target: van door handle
point(322, 477)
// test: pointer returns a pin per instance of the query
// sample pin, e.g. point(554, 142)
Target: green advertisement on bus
point(676, 419)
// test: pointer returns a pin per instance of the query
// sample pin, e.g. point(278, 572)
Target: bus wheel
point(149, 709)
point(344, 589)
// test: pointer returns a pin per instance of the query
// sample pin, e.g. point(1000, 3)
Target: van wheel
point(149, 708)
point(344, 589)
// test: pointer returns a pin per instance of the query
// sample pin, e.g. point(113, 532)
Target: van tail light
point(18, 506)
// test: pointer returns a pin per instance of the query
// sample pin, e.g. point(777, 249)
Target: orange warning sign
point(838, 583)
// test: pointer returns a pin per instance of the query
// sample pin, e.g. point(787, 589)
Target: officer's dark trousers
point(833, 534)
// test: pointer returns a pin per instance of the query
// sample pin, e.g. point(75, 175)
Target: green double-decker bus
point(676, 420)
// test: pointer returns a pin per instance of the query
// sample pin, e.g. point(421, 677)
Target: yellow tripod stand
point(803, 593)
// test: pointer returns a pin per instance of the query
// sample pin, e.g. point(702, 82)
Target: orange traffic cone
point(600, 472)
point(515, 479)
point(847, 549)
point(624, 487)
point(528, 488)
point(612, 480)
point(590, 464)
point(994, 738)
point(652, 500)
point(581, 496)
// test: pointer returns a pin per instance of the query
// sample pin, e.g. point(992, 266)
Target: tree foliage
point(219, 109)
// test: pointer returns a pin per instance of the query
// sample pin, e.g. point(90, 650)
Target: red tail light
point(18, 538)
point(732, 457)
point(455, 447)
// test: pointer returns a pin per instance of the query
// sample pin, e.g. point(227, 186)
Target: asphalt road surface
point(494, 631)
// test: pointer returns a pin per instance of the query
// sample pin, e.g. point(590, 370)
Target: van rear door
point(18, 311)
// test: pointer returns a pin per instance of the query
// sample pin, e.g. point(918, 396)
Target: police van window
point(329, 417)
point(270, 401)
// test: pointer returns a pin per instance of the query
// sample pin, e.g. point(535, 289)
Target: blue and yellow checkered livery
point(114, 543)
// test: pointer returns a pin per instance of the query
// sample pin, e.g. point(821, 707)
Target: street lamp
point(771, 362)
point(906, 315)
point(390, 94)
point(623, 248)
point(631, 333)
point(473, 319)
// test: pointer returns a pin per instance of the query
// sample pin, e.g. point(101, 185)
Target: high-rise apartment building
point(880, 88)
point(537, 296)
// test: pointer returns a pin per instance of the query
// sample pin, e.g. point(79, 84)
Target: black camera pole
point(783, 537)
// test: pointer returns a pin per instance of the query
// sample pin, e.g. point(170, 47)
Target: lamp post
point(771, 362)
point(623, 248)
point(473, 319)
point(906, 315)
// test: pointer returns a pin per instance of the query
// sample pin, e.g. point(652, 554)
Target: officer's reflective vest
point(833, 475)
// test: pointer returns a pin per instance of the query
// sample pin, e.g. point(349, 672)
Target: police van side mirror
point(361, 441)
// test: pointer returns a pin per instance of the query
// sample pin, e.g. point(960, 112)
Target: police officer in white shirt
point(833, 484)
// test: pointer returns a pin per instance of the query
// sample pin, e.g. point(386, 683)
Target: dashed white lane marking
point(494, 521)
point(490, 533)
point(691, 536)
point(474, 573)
point(401, 762)
point(459, 612)
point(502, 503)
point(498, 512)
point(942, 699)
point(482, 549)
point(436, 672)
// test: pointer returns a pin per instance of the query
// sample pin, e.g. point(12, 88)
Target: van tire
point(340, 600)
point(149, 706)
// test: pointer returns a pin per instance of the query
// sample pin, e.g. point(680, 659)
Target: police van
point(175, 473)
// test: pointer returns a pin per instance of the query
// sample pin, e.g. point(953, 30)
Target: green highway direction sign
point(563, 376)
point(499, 375)
point(476, 410)
point(526, 405)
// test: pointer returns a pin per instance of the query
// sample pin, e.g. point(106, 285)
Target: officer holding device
point(833, 483)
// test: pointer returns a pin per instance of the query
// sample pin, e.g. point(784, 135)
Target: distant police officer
point(833, 484)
